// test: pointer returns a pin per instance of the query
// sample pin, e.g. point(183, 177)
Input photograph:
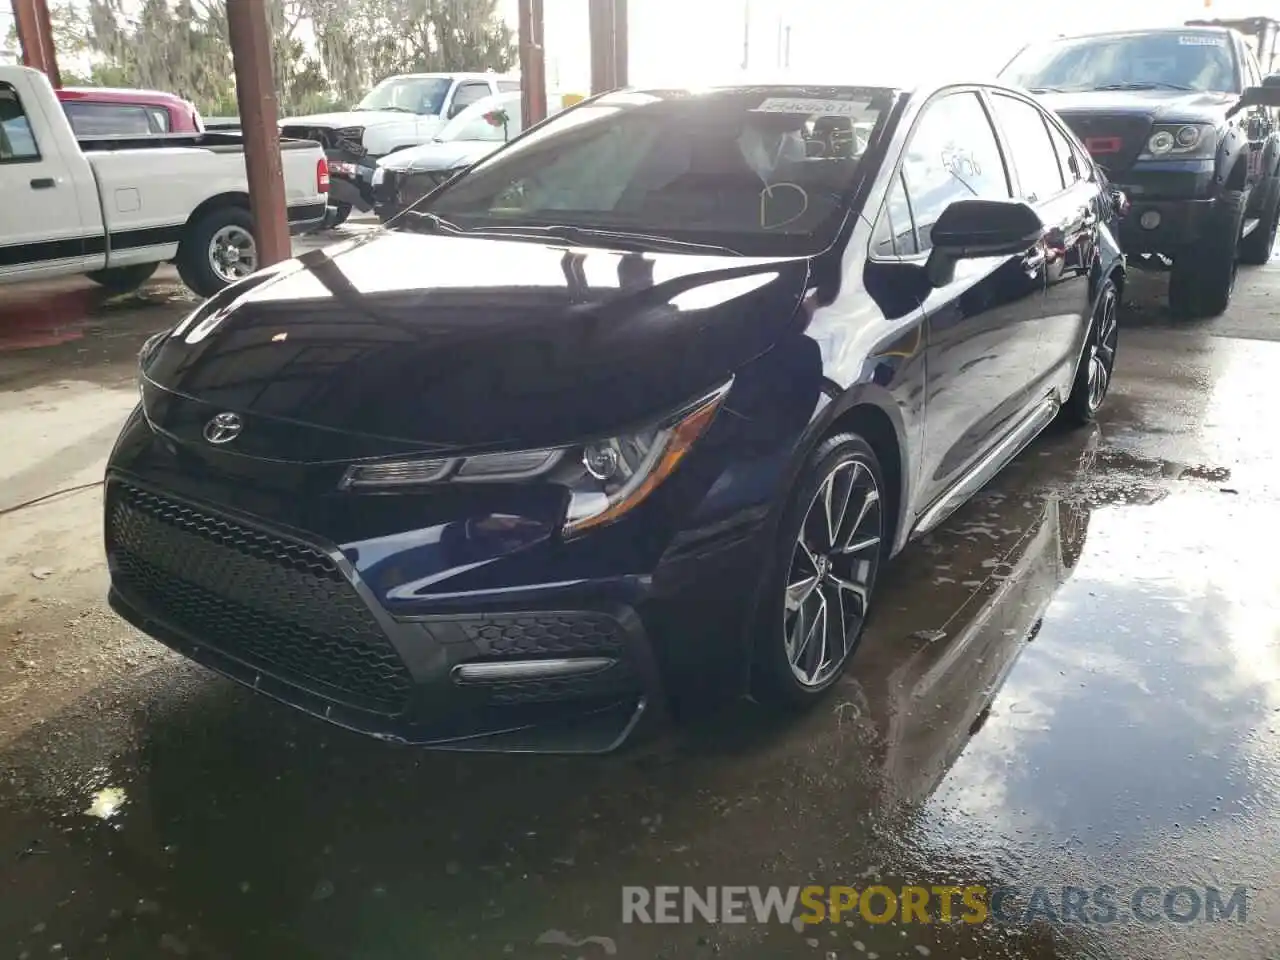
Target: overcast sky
point(691, 37)
point(703, 39)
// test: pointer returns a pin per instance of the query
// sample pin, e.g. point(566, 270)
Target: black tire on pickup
point(1255, 249)
point(1204, 276)
point(194, 260)
point(118, 280)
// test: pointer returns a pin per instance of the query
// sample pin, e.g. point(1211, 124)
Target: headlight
point(607, 478)
point(1182, 140)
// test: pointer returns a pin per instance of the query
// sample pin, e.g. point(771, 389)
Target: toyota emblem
point(223, 428)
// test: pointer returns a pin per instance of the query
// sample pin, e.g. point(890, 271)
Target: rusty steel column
point(35, 36)
point(533, 62)
point(609, 44)
point(256, 97)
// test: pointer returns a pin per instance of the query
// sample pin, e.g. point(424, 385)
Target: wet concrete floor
point(1076, 682)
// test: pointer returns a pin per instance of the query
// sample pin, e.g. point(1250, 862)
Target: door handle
point(43, 183)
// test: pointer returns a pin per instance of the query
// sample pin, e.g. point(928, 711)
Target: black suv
point(1184, 123)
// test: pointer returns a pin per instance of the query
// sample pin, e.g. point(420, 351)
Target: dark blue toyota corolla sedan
point(635, 407)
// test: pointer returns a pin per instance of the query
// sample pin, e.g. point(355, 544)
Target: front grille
point(545, 634)
point(1114, 142)
point(275, 604)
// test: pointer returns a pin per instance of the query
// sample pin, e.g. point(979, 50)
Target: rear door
point(981, 328)
point(43, 231)
point(1048, 178)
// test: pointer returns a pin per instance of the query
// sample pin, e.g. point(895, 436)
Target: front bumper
point(1172, 204)
point(288, 616)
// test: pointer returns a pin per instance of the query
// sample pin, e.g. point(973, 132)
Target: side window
point(107, 119)
point(467, 94)
point(895, 234)
point(1032, 150)
point(508, 86)
point(952, 155)
point(17, 142)
point(1068, 162)
point(159, 119)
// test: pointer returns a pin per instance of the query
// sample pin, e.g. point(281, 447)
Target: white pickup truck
point(402, 111)
point(115, 209)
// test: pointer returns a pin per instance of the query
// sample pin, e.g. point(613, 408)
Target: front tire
point(118, 280)
point(1203, 278)
point(1255, 249)
point(1098, 360)
point(831, 541)
point(218, 250)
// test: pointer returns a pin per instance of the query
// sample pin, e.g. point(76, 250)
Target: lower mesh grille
point(273, 603)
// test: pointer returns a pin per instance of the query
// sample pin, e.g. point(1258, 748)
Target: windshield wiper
point(577, 234)
point(1044, 90)
point(1143, 85)
point(391, 108)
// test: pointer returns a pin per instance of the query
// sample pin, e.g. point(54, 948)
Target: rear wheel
point(831, 542)
point(218, 250)
point(1204, 277)
point(1255, 249)
point(117, 280)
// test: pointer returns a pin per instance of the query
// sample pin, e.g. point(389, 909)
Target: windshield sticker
point(1202, 40)
point(829, 108)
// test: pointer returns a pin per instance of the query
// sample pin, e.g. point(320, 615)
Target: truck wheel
point(217, 250)
point(1204, 276)
point(1255, 249)
point(118, 280)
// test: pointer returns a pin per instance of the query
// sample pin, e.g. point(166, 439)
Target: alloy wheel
point(1102, 351)
point(232, 253)
point(833, 569)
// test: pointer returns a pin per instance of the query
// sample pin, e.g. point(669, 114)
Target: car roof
point(1139, 31)
point(461, 75)
point(120, 95)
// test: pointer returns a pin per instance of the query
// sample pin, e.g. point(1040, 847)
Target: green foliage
point(326, 53)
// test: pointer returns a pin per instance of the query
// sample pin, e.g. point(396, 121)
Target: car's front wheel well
point(1236, 177)
point(873, 425)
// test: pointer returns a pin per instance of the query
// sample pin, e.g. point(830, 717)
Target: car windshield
point(1171, 60)
point(484, 120)
point(760, 170)
point(407, 94)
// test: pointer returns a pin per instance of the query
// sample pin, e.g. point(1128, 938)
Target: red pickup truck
point(106, 112)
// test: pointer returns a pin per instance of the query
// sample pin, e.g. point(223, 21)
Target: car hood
point(439, 156)
point(402, 341)
point(350, 118)
point(1172, 106)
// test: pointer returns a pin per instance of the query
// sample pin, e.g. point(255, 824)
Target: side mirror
point(1267, 95)
point(969, 229)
